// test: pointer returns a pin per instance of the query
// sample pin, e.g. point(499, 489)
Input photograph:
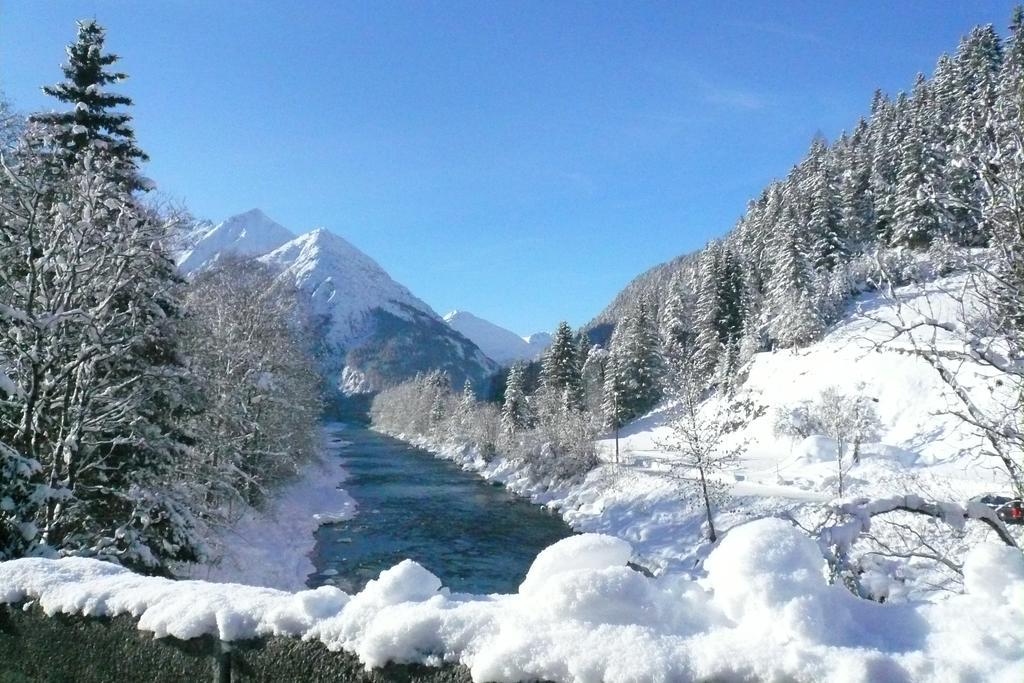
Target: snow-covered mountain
point(538, 342)
point(374, 331)
point(501, 345)
point(248, 234)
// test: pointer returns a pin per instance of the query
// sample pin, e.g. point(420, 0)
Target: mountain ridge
point(500, 344)
point(365, 320)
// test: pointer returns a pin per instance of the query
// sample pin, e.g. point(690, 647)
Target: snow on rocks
point(764, 612)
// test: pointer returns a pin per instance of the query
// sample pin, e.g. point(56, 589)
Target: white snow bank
point(765, 611)
point(816, 448)
point(271, 547)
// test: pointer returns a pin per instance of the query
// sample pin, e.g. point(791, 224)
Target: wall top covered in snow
point(764, 611)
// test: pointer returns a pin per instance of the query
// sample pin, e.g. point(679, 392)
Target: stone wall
point(34, 647)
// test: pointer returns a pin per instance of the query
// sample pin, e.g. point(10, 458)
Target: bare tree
point(702, 438)
point(249, 350)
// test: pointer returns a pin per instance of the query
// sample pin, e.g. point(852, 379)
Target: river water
point(476, 536)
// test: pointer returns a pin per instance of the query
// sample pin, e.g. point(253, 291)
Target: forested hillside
point(929, 183)
point(926, 173)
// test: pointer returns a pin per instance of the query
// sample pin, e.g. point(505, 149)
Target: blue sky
point(520, 160)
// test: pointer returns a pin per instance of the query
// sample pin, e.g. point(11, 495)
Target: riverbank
point(626, 500)
point(476, 537)
point(273, 547)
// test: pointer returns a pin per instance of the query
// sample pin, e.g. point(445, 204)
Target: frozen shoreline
point(271, 548)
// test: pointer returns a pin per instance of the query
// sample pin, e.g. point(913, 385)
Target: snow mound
point(586, 551)
point(764, 612)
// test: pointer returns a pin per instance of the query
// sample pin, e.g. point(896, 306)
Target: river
point(476, 536)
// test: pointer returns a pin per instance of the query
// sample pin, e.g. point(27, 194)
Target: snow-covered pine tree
point(560, 368)
point(94, 123)
point(917, 208)
point(976, 66)
point(614, 402)
point(794, 318)
point(824, 226)
point(856, 205)
point(707, 346)
point(884, 136)
point(583, 347)
point(90, 299)
point(593, 379)
point(1000, 167)
point(675, 326)
point(515, 411)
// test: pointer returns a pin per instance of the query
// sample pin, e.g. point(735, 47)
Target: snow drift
point(763, 612)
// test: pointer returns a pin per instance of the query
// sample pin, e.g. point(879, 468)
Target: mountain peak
point(245, 234)
point(500, 344)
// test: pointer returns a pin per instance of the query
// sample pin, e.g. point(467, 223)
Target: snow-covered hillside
point(373, 331)
point(501, 345)
point(343, 282)
point(922, 449)
point(248, 234)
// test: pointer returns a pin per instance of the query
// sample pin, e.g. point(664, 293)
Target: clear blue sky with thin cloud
point(519, 160)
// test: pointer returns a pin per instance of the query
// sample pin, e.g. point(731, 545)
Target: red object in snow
point(1016, 511)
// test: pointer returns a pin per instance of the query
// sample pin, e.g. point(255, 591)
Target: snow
point(586, 551)
point(763, 611)
point(247, 234)
point(347, 289)
point(344, 282)
point(271, 547)
point(8, 386)
point(922, 449)
point(499, 344)
point(816, 448)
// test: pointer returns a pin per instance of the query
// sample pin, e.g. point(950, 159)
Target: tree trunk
point(712, 536)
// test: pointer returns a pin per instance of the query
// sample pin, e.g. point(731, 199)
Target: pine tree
point(794, 317)
point(824, 225)
point(103, 391)
point(675, 328)
point(1001, 170)
point(94, 124)
point(593, 378)
point(917, 207)
point(515, 412)
point(583, 347)
point(560, 373)
point(707, 342)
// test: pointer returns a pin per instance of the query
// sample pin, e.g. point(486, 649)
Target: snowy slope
point(375, 332)
point(248, 234)
point(922, 449)
point(342, 281)
point(501, 345)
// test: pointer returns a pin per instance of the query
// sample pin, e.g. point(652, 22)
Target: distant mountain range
point(375, 332)
point(502, 345)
